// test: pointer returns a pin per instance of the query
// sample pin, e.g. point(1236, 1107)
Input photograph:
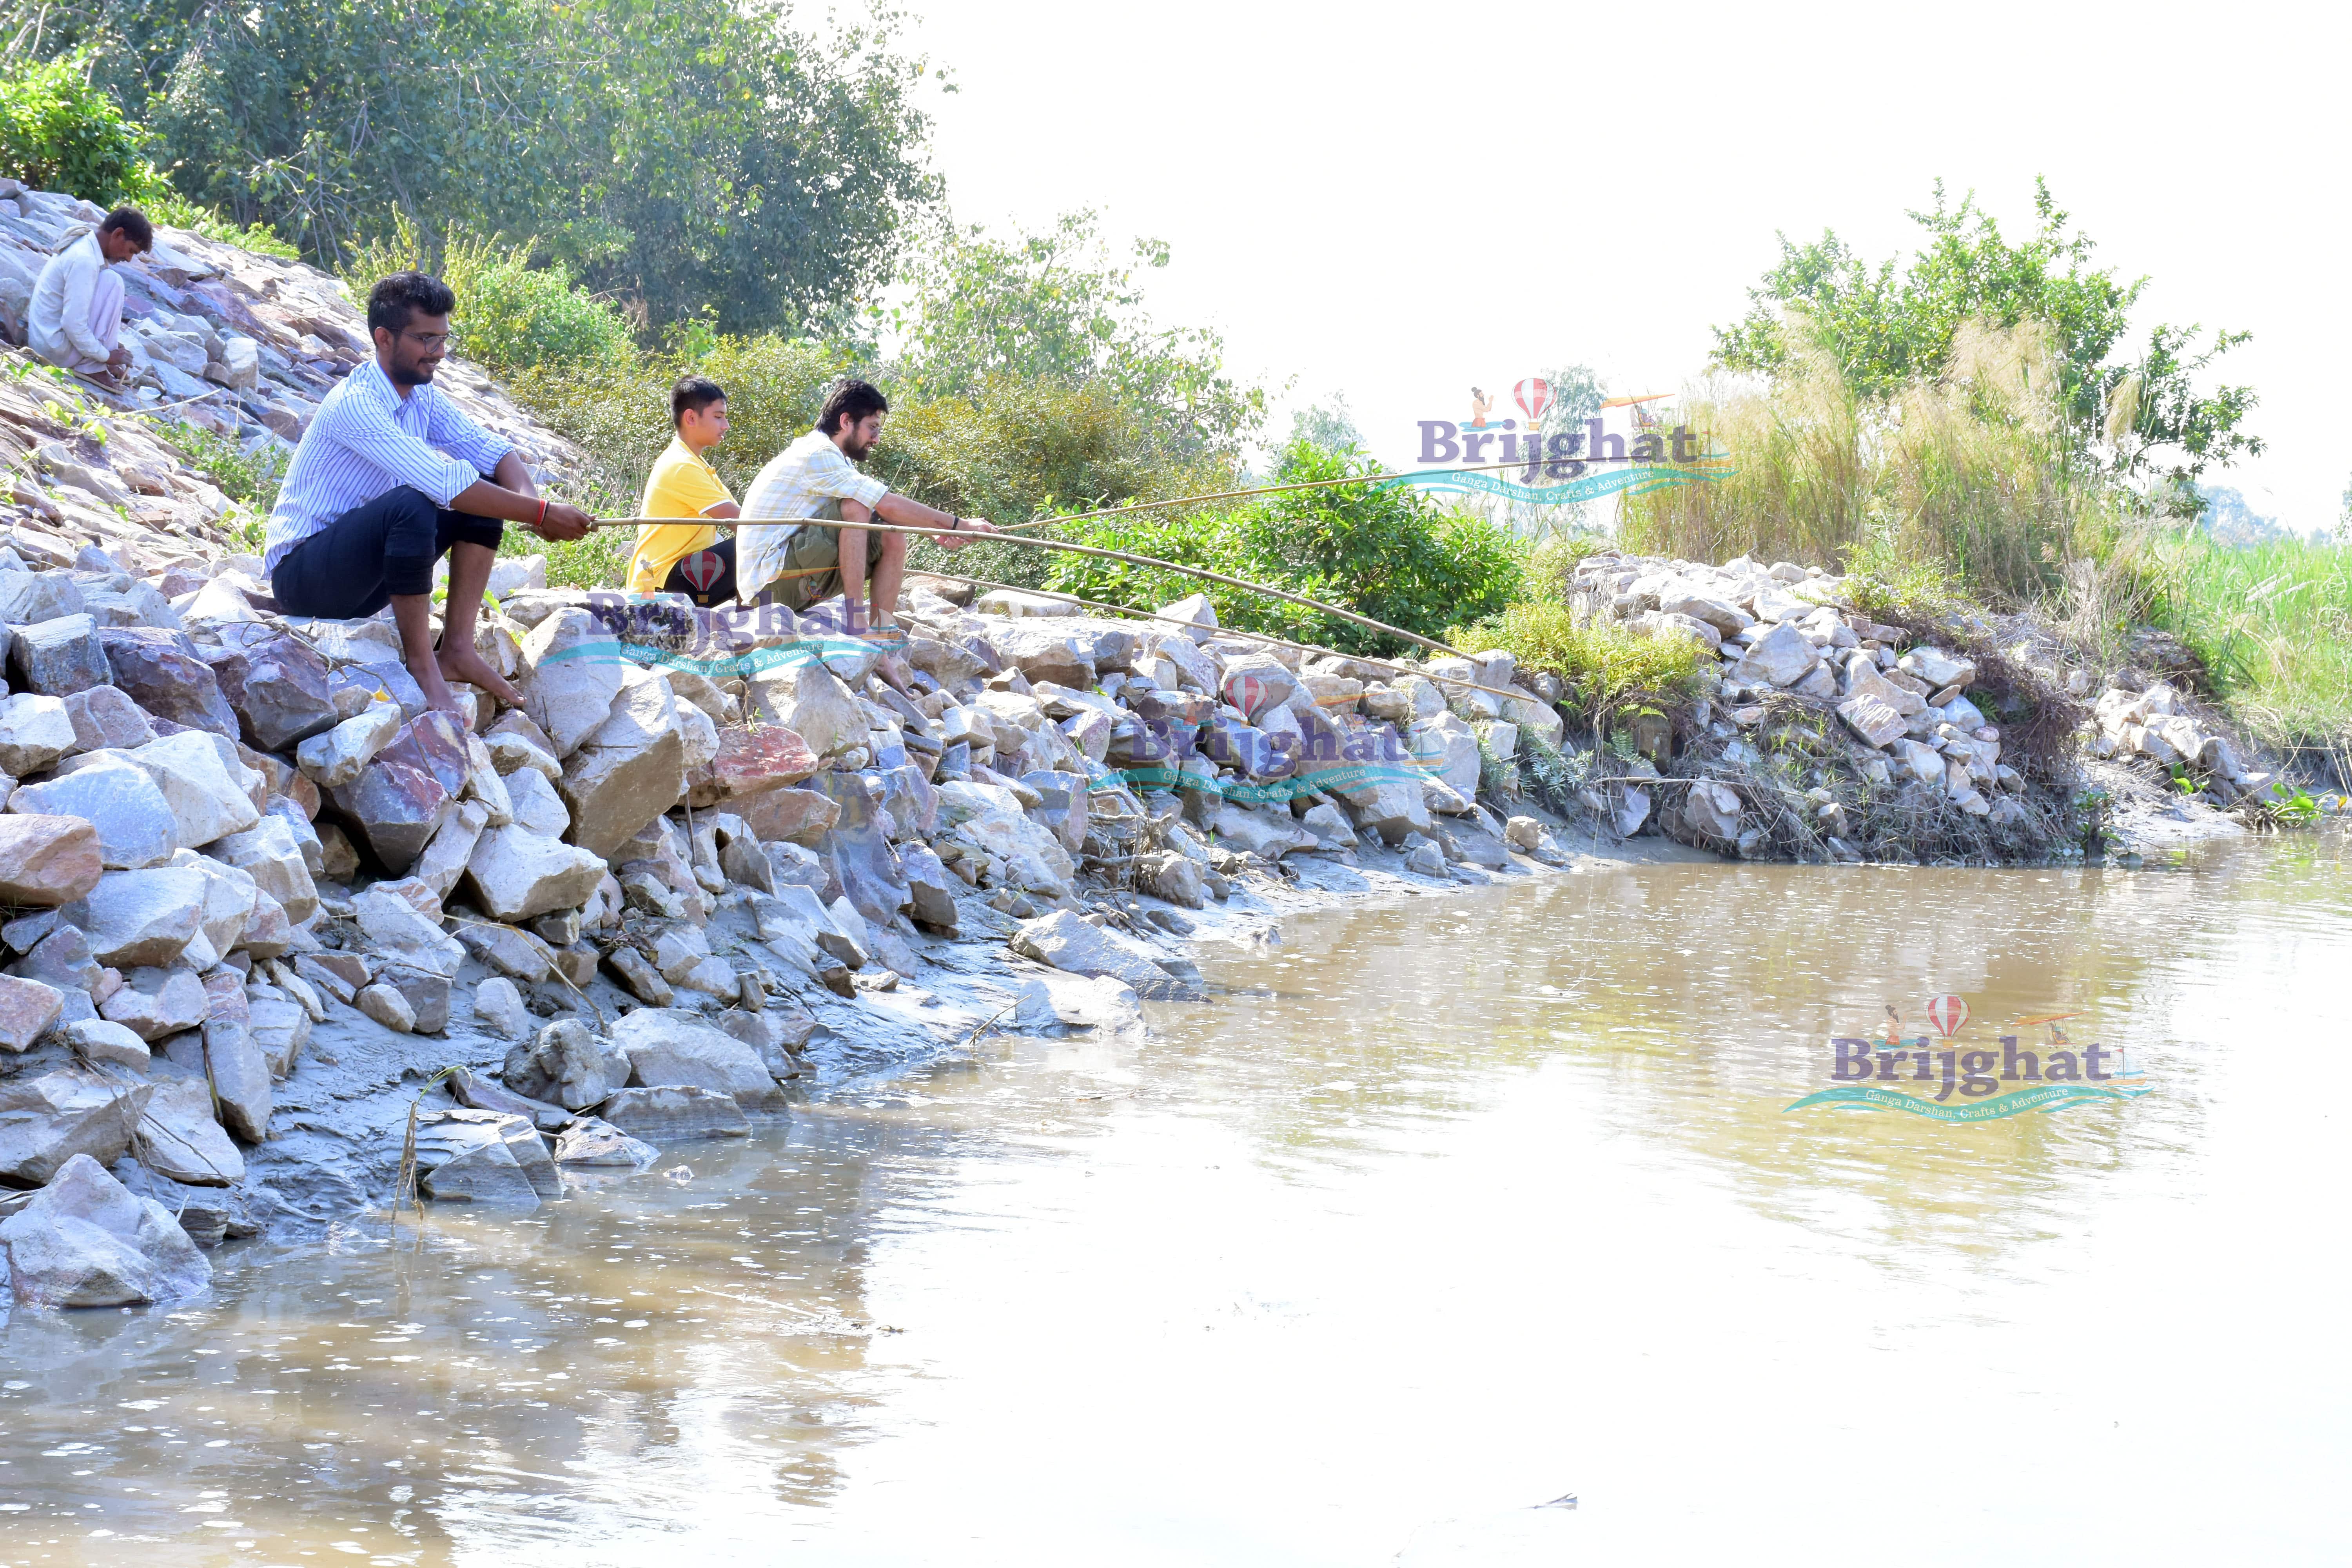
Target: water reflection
point(1496, 1168)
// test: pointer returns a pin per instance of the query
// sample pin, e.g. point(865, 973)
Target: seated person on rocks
point(687, 558)
point(389, 478)
point(75, 320)
point(816, 477)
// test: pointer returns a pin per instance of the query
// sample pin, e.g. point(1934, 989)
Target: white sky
point(1399, 202)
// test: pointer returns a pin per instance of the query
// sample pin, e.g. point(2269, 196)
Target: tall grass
point(1605, 671)
point(2273, 624)
point(1969, 475)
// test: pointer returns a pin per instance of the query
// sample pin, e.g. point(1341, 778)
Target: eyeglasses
point(427, 339)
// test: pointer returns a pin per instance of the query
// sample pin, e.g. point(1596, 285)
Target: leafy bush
point(57, 132)
point(250, 480)
point(512, 316)
point(1604, 669)
point(1386, 553)
point(181, 213)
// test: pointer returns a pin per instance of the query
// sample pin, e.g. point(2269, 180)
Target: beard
point(413, 374)
point(855, 449)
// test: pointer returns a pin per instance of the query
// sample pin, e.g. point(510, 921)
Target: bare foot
point(465, 664)
point(438, 698)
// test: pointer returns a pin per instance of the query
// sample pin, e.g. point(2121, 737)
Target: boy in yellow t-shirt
point(687, 558)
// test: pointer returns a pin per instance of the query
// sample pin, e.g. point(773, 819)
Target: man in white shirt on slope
point(76, 318)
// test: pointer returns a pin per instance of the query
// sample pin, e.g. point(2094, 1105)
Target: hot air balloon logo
point(1533, 395)
point(1948, 1013)
point(702, 569)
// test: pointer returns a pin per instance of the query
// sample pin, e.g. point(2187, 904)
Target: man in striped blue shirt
point(389, 478)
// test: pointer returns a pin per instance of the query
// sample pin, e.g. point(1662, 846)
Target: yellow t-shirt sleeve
point(678, 487)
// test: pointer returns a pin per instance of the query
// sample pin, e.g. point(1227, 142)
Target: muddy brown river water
point(1445, 1210)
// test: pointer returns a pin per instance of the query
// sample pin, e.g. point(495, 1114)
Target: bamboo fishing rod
point(1387, 665)
point(1194, 572)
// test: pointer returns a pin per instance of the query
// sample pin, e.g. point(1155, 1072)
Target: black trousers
point(716, 566)
point(354, 566)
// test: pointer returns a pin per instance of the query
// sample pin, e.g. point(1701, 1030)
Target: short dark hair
point(692, 395)
point(133, 222)
point(852, 398)
point(394, 298)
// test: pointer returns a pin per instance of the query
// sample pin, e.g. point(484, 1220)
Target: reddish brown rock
point(749, 763)
point(47, 860)
point(795, 816)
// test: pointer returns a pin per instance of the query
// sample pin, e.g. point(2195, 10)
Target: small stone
point(677, 1114)
point(639, 976)
point(27, 1008)
point(35, 732)
point(386, 1005)
point(1524, 834)
point(567, 1065)
point(336, 756)
point(155, 1004)
point(500, 1007)
point(592, 1142)
point(97, 1040)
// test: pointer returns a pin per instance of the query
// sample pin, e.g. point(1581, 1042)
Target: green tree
point(1893, 326)
point(57, 132)
point(1059, 307)
point(680, 157)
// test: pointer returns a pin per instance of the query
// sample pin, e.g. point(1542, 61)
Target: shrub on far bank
point(1604, 669)
point(57, 132)
point(1388, 553)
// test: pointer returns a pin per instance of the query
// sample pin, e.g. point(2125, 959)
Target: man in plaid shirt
point(803, 564)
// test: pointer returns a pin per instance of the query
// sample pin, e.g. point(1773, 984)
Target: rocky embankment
point(261, 902)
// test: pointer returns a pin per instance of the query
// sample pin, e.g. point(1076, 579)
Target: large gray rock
point(1872, 718)
point(206, 799)
point(677, 1114)
point(403, 795)
point(1063, 941)
point(931, 889)
point(484, 1157)
point(58, 657)
point(156, 1003)
point(670, 1047)
point(1257, 684)
point(28, 598)
point(164, 673)
point(398, 932)
point(105, 719)
point(146, 917)
point(628, 770)
point(47, 1120)
point(277, 687)
point(810, 701)
point(1712, 809)
point(572, 671)
point(858, 850)
point(134, 822)
point(1782, 657)
point(282, 1029)
point(534, 803)
point(86, 1240)
point(567, 1065)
